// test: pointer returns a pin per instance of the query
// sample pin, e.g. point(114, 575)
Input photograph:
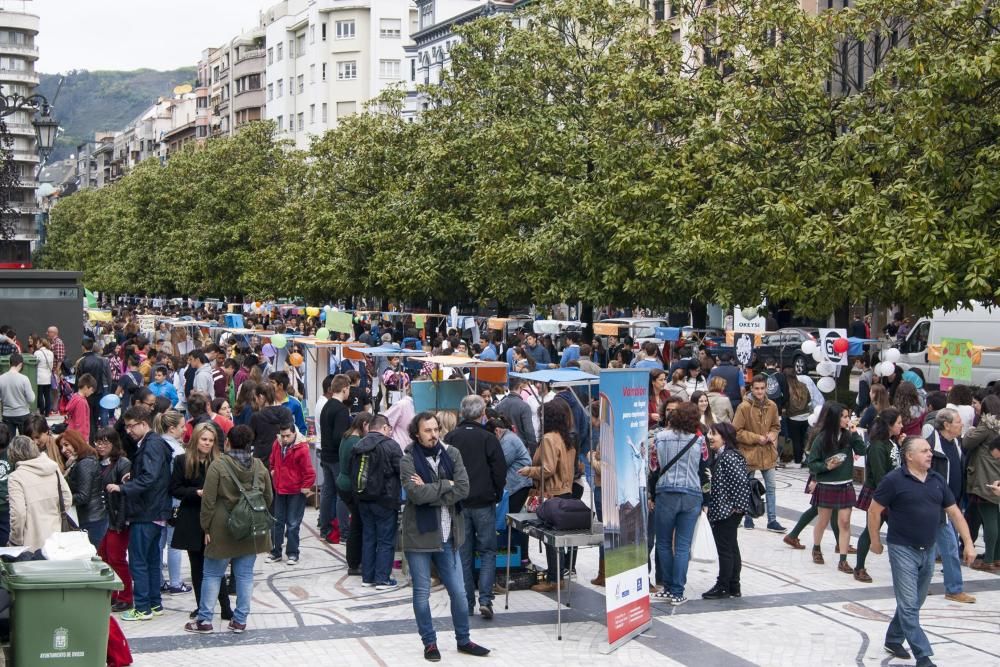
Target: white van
point(980, 325)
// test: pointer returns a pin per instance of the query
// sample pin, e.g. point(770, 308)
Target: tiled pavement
point(793, 613)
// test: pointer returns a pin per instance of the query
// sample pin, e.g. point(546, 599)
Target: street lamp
point(45, 125)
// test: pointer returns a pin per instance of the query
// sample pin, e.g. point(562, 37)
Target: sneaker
point(136, 615)
point(775, 527)
point(432, 653)
point(897, 650)
point(178, 590)
point(271, 558)
point(486, 611)
point(474, 649)
point(390, 585)
point(960, 597)
point(748, 523)
point(677, 600)
point(293, 560)
point(164, 587)
point(925, 662)
point(156, 610)
point(367, 584)
point(237, 628)
point(354, 572)
point(119, 607)
point(198, 627)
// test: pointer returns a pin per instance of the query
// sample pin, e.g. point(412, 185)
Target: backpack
point(773, 387)
point(798, 400)
point(757, 506)
point(249, 517)
point(368, 475)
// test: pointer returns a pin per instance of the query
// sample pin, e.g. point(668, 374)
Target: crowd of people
point(209, 454)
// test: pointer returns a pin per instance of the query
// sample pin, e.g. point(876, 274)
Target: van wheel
point(800, 365)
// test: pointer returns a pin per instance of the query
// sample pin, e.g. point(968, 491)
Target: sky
point(133, 34)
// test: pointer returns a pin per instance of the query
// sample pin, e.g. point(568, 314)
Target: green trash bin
point(30, 371)
point(60, 611)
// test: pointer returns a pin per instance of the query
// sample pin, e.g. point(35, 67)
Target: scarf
point(428, 516)
point(241, 456)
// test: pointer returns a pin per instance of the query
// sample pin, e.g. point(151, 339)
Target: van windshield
point(917, 342)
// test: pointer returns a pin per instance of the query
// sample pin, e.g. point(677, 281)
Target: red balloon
point(841, 345)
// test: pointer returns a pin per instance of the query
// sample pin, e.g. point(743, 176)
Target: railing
point(19, 49)
point(252, 53)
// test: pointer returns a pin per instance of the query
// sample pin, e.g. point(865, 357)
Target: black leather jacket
point(84, 479)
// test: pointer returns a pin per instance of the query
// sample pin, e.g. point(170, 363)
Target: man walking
point(16, 395)
point(757, 426)
point(94, 364)
point(487, 470)
point(433, 530)
point(915, 496)
point(375, 483)
point(292, 478)
point(58, 350)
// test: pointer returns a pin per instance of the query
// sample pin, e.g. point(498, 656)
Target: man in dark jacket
point(487, 470)
point(518, 412)
point(147, 499)
point(378, 503)
point(333, 423)
point(95, 365)
point(731, 374)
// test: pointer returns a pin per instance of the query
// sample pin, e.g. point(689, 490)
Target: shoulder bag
point(70, 520)
point(655, 475)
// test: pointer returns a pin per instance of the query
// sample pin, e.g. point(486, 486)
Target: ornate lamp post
point(46, 128)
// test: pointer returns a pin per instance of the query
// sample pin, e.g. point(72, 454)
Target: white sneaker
point(293, 561)
point(390, 585)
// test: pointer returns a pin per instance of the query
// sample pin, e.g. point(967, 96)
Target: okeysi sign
point(744, 325)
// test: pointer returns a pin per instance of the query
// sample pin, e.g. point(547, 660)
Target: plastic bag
point(703, 542)
point(73, 545)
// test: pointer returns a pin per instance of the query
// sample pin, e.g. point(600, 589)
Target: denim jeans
point(449, 568)
point(144, 564)
point(911, 575)
point(331, 506)
point(215, 569)
point(769, 493)
point(676, 516)
point(288, 511)
point(173, 558)
point(378, 542)
point(947, 547)
point(481, 538)
point(95, 530)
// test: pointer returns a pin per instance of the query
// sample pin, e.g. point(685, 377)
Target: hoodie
point(291, 467)
point(34, 504)
point(265, 423)
point(204, 382)
point(389, 454)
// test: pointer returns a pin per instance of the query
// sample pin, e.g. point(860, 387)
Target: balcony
point(18, 76)
point(21, 129)
point(24, 156)
point(249, 65)
point(22, 50)
point(248, 99)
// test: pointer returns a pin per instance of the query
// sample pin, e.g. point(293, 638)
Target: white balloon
point(891, 355)
point(818, 355)
point(825, 368)
point(826, 385)
point(888, 368)
point(808, 347)
point(877, 369)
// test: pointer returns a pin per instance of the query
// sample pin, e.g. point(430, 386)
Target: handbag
point(757, 491)
point(70, 520)
point(703, 542)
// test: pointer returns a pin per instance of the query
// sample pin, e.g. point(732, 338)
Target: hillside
point(104, 100)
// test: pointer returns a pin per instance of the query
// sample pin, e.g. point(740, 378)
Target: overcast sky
point(130, 34)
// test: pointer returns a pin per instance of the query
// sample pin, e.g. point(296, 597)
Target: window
point(388, 69)
point(281, 87)
point(302, 121)
point(658, 10)
point(390, 28)
point(302, 83)
point(312, 34)
point(281, 45)
point(312, 114)
point(413, 69)
point(291, 123)
point(426, 15)
point(347, 70)
point(322, 31)
point(312, 74)
point(323, 117)
point(281, 123)
point(345, 29)
point(345, 109)
point(323, 74)
point(291, 48)
point(270, 56)
point(270, 92)
point(300, 45)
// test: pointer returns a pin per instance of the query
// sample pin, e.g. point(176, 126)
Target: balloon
point(749, 313)
point(110, 401)
point(323, 333)
point(818, 355)
point(891, 355)
point(888, 368)
point(279, 341)
point(877, 369)
point(808, 347)
point(841, 345)
point(825, 368)
point(312, 311)
point(295, 359)
point(269, 351)
point(826, 385)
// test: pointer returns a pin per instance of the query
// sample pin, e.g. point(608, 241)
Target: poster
point(743, 342)
point(827, 339)
point(740, 323)
point(624, 420)
point(956, 359)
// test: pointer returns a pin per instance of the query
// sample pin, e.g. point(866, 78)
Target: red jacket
point(294, 471)
point(78, 415)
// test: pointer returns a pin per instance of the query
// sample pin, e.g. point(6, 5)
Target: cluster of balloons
point(888, 364)
point(811, 348)
point(824, 366)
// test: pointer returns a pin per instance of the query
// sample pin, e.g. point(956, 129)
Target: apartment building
point(327, 58)
point(230, 86)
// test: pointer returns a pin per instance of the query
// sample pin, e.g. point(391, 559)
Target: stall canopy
point(387, 350)
point(563, 376)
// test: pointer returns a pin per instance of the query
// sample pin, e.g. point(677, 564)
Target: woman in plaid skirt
point(831, 460)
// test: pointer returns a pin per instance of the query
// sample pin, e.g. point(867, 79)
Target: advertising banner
point(624, 459)
point(828, 344)
point(957, 359)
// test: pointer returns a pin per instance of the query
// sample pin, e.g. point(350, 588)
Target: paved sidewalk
point(793, 613)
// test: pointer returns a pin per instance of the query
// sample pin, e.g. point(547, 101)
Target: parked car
point(785, 345)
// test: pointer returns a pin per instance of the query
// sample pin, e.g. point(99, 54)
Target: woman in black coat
point(186, 482)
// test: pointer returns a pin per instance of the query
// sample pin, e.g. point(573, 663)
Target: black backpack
point(773, 387)
point(368, 475)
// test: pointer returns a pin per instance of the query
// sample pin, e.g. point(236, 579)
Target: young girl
point(831, 460)
point(881, 459)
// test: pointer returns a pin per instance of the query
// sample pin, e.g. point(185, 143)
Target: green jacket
point(878, 462)
point(219, 496)
point(981, 467)
point(346, 448)
point(439, 493)
point(843, 472)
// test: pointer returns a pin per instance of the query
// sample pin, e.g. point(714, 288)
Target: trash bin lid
point(39, 574)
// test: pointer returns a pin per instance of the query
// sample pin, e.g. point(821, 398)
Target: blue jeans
point(449, 567)
point(911, 575)
point(947, 548)
point(95, 530)
point(144, 564)
point(288, 511)
point(676, 515)
point(215, 569)
point(378, 542)
point(769, 493)
point(173, 558)
point(480, 537)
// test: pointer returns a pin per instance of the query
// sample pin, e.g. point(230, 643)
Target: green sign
point(956, 359)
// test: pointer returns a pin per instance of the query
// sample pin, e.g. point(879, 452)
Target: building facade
point(230, 86)
point(18, 54)
point(326, 59)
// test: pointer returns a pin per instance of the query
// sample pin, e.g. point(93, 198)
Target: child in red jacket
point(292, 476)
point(78, 409)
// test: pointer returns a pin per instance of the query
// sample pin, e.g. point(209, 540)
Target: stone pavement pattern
point(793, 613)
